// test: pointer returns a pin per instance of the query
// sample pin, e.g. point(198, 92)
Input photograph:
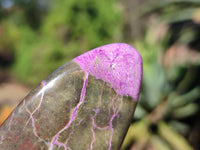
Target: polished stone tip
point(85, 101)
point(118, 64)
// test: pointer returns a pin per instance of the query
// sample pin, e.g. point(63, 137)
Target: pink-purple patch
point(118, 64)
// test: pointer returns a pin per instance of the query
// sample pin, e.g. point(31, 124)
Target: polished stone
point(87, 104)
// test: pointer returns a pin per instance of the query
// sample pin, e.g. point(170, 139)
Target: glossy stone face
point(77, 108)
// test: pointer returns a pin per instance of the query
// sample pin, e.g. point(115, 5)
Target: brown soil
point(11, 91)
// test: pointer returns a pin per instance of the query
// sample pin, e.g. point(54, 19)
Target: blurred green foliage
point(45, 36)
point(168, 109)
point(38, 36)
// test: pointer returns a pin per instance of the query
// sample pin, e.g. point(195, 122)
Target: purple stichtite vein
point(65, 143)
point(115, 113)
point(93, 121)
point(41, 99)
point(31, 114)
point(111, 120)
point(110, 127)
point(74, 114)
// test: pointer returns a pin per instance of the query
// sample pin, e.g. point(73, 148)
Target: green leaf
point(185, 111)
point(184, 99)
point(172, 137)
point(158, 143)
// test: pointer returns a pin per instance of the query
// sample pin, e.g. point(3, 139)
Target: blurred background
point(38, 36)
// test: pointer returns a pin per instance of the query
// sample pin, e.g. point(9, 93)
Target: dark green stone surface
point(70, 110)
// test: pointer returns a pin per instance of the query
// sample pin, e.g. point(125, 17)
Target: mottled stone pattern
point(91, 116)
point(87, 104)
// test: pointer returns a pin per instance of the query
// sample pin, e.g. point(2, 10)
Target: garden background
point(38, 36)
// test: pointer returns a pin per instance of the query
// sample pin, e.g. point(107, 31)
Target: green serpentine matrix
point(86, 104)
